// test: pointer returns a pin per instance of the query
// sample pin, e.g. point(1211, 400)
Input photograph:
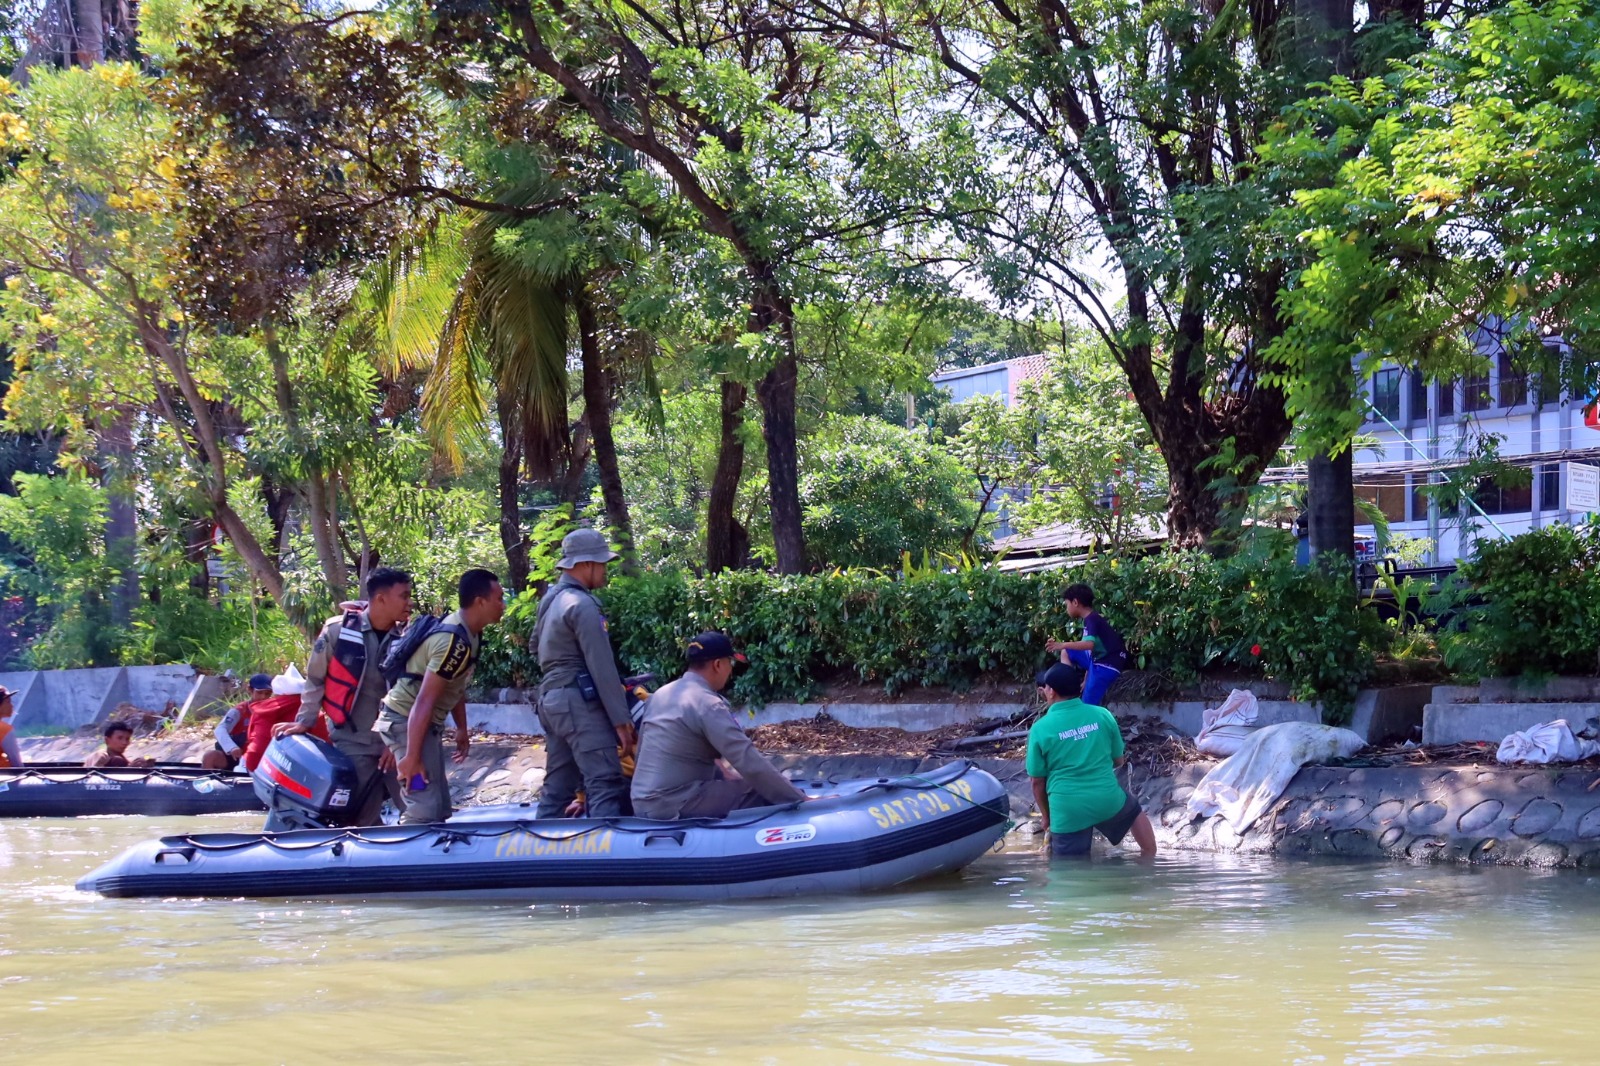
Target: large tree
point(746, 113)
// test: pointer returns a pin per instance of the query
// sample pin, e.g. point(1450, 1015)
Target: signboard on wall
point(1583, 487)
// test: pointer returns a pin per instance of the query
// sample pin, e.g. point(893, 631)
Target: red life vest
point(265, 715)
point(347, 662)
point(241, 729)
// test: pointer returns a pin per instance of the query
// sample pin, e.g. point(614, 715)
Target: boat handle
point(661, 838)
point(186, 853)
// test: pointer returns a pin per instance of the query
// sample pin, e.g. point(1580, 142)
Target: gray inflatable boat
point(865, 836)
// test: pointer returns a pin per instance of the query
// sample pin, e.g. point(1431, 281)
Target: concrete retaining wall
point(1460, 723)
point(1520, 816)
point(67, 699)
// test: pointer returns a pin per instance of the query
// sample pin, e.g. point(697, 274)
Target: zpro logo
point(785, 834)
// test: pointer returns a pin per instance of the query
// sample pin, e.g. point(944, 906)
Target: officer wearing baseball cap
point(687, 727)
point(582, 705)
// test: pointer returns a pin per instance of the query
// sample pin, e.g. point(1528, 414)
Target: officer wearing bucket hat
point(582, 705)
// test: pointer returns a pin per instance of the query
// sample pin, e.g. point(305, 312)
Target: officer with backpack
point(429, 670)
point(344, 681)
point(582, 705)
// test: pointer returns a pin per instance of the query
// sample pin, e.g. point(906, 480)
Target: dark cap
point(1066, 680)
point(709, 647)
point(260, 680)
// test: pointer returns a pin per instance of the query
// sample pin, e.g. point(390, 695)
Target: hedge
point(1181, 613)
point(1536, 605)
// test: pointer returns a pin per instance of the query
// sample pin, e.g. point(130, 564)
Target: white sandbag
point(1224, 729)
point(289, 683)
point(1246, 784)
point(1548, 742)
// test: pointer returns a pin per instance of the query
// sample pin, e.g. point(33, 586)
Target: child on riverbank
point(1101, 654)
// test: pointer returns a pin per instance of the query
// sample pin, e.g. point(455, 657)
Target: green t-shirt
point(443, 653)
point(1071, 746)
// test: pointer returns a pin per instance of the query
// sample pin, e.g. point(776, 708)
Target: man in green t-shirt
point(1074, 750)
point(434, 689)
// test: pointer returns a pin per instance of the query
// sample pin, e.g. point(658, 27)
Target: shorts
point(1076, 843)
point(233, 764)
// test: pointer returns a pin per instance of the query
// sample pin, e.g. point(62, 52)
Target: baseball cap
point(711, 646)
point(260, 680)
point(1065, 680)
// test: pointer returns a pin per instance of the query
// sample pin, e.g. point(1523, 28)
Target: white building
point(1423, 428)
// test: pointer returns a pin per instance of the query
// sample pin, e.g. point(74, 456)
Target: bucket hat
point(585, 546)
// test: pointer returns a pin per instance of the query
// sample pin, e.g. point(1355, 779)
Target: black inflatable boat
point(862, 836)
point(64, 790)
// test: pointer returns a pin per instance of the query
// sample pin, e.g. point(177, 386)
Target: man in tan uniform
point(687, 728)
point(345, 682)
point(435, 688)
point(582, 706)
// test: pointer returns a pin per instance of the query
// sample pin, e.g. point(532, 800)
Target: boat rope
point(66, 777)
point(445, 833)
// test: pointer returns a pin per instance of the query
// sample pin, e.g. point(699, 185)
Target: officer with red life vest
point(233, 731)
point(344, 683)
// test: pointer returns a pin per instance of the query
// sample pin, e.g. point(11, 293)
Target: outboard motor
point(306, 783)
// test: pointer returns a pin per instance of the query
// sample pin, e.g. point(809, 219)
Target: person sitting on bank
point(687, 727)
point(1074, 750)
point(10, 749)
point(233, 732)
point(433, 689)
point(118, 736)
point(1101, 654)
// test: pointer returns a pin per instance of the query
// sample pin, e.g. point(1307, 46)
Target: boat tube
point(66, 790)
point(862, 836)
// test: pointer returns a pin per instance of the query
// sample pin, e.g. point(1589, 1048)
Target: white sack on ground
point(1246, 784)
point(289, 683)
point(1547, 742)
point(1223, 729)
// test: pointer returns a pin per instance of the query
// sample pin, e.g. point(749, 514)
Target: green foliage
point(58, 524)
point(1072, 441)
point(1538, 609)
point(872, 491)
point(1453, 193)
point(1181, 613)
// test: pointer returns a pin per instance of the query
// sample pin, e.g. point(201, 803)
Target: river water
point(1210, 959)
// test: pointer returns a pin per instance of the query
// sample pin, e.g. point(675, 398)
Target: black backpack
point(400, 652)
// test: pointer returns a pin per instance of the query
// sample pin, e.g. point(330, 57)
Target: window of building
point(1510, 493)
point(1513, 382)
point(1419, 397)
point(1386, 393)
point(1477, 396)
point(1549, 487)
point(1391, 500)
point(1447, 398)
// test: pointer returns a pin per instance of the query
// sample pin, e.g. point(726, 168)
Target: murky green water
point(1207, 960)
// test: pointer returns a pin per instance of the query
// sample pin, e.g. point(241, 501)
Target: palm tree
point(485, 298)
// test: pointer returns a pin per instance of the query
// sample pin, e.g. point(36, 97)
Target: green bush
point(1537, 609)
point(1181, 613)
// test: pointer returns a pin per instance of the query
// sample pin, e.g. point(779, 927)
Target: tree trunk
point(319, 496)
point(512, 539)
point(91, 32)
point(197, 552)
point(777, 392)
point(122, 526)
point(262, 568)
point(1332, 513)
point(1325, 36)
point(597, 406)
point(723, 537)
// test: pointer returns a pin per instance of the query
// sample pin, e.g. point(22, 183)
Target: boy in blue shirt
point(1073, 752)
point(1101, 654)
